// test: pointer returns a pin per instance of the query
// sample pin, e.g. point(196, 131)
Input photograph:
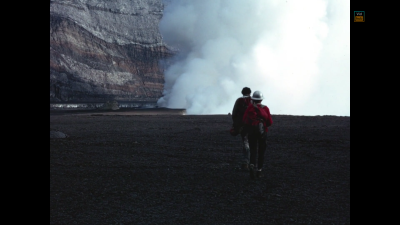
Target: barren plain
point(125, 167)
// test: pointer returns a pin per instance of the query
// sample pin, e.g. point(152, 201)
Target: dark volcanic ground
point(182, 169)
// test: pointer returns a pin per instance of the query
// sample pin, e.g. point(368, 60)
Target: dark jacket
point(252, 116)
point(238, 110)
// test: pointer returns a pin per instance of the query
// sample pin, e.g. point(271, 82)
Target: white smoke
point(296, 52)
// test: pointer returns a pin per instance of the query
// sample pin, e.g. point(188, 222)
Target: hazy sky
point(296, 52)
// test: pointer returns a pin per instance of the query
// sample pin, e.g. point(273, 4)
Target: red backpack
point(255, 121)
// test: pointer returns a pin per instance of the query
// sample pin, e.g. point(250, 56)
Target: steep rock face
point(101, 50)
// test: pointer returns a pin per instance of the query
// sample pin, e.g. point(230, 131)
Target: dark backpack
point(237, 125)
point(244, 102)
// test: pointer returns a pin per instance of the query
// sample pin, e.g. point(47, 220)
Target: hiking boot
point(259, 174)
point(251, 169)
point(245, 167)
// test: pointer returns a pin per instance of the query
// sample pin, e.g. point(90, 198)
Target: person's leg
point(262, 147)
point(245, 150)
point(253, 149)
point(253, 153)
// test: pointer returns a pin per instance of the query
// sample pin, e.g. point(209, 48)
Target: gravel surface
point(133, 168)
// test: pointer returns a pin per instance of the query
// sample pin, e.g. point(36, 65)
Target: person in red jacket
point(237, 118)
point(257, 118)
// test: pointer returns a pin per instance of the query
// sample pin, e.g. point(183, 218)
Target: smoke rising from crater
point(296, 52)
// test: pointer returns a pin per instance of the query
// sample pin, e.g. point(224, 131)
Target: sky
point(297, 53)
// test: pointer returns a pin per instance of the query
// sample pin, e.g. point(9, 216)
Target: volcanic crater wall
point(102, 50)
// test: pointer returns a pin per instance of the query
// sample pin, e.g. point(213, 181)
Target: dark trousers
point(258, 146)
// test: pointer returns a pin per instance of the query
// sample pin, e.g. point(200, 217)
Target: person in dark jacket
point(257, 118)
point(237, 117)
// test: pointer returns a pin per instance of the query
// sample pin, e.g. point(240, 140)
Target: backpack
point(237, 125)
point(244, 102)
point(257, 126)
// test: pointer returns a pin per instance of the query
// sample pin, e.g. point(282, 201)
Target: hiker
point(257, 119)
point(237, 117)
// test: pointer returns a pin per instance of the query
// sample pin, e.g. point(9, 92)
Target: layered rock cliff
point(102, 50)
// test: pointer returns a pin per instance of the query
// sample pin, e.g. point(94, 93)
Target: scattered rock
point(57, 134)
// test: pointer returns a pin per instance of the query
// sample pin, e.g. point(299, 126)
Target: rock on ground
point(57, 134)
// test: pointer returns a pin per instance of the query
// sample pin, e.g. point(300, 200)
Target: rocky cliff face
point(101, 50)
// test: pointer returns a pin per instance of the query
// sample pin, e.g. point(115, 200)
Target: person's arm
point(268, 120)
point(263, 112)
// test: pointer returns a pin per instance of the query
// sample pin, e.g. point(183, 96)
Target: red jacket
point(252, 116)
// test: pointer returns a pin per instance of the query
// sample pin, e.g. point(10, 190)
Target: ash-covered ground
point(144, 168)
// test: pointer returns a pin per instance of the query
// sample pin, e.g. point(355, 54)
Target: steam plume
point(296, 52)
